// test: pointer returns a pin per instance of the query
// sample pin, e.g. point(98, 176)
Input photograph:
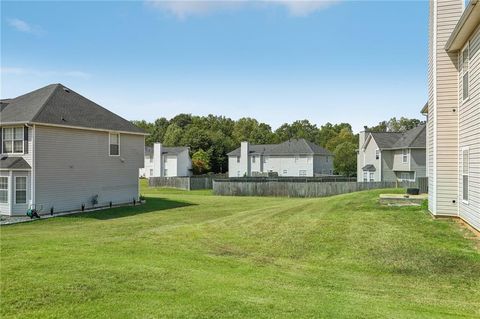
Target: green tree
point(298, 129)
point(200, 162)
point(173, 135)
point(345, 162)
point(393, 125)
point(250, 130)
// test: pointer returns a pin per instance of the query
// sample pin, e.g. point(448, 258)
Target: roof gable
point(58, 105)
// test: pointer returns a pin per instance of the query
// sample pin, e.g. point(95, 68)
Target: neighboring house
point(60, 151)
point(173, 161)
point(453, 110)
point(296, 157)
point(389, 156)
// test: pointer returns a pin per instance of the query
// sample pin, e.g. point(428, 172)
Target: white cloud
point(23, 26)
point(44, 73)
point(185, 8)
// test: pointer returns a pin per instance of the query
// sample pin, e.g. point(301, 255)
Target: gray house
point(60, 151)
point(390, 156)
point(295, 157)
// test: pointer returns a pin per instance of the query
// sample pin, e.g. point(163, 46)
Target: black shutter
point(25, 140)
point(1, 141)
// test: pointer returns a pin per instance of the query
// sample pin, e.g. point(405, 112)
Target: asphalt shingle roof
point(56, 104)
point(414, 138)
point(14, 163)
point(167, 150)
point(290, 147)
point(369, 168)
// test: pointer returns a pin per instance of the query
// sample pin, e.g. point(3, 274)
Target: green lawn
point(194, 255)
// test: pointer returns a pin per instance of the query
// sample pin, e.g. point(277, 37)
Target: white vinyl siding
point(465, 169)
point(442, 113)
point(464, 72)
point(469, 136)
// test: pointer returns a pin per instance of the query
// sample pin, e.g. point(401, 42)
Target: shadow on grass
point(153, 204)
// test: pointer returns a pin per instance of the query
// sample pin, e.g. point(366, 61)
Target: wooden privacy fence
point(187, 183)
point(230, 187)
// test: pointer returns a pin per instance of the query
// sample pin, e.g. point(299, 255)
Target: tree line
point(211, 137)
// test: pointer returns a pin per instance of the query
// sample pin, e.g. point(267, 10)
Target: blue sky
point(338, 61)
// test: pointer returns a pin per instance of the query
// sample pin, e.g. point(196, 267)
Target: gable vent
point(66, 90)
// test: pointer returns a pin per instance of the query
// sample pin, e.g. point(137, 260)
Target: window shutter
point(25, 140)
point(1, 141)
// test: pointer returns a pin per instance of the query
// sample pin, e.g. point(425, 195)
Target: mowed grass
point(194, 255)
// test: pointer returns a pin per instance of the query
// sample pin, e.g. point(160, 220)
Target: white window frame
point(15, 188)
point(405, 155)
point(464, 72)
point(365, 176)
point(12, 141)
point(110, 143)
point(6, 190)
point(302, 172)
point(371, 176)
point(465, 174)
point(253, 159)
point(377, 154)
point(285, 172)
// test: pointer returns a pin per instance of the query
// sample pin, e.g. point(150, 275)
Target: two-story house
point(453, 110)
point(60, 152)
point(161, 161)
point(391, 156)
point(295, 157)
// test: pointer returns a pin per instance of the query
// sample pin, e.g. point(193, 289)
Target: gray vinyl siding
point(469, 113)
point(388, 175)
point(418, 162)
point(368, 156)
point(443, 101)
point(72, 165)
point(398, 164)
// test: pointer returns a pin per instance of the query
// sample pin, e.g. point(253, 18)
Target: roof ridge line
point(45, 103)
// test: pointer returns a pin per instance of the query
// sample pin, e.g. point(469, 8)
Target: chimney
point(244, 160)
point(157, 160)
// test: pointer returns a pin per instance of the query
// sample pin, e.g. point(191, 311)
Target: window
point(12, 140)
point(114, 144)
point(20, 190)
point(465, 169)
point(253, 159)
point(372, 176)
point(151, 172)
point(302, 172)
point(405, 176)
point(151, 158)
point(365, 176)
point(377, 154)
point(465, 69)
point(3, 190)
point(238, 159)
point(405, 156)
point(326, 159)
point(285, 172)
